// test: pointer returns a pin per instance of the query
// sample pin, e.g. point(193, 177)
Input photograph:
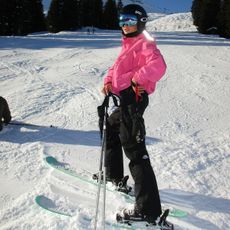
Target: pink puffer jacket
point(140, 60)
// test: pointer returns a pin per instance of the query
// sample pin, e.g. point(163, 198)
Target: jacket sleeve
point(108, 78)
point(153, 66)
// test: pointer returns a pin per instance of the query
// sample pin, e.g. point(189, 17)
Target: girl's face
point(129, 29)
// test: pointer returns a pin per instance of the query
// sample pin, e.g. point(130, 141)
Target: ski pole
point(104, 191)
point(103, 150)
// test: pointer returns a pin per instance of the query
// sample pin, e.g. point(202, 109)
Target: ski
point(60, 166)
point(49, 206)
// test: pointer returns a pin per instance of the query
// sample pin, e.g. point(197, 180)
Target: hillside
point(56, 79)
point(173, 22)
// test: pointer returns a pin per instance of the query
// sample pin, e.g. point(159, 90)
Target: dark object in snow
point(5, 115)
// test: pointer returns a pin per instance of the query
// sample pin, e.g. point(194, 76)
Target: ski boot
point(129, 217)
point(121, 185)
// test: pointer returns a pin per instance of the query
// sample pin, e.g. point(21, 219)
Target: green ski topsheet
point(51, 161)
point(47, 204)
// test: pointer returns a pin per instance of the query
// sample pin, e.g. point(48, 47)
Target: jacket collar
point(126, 40)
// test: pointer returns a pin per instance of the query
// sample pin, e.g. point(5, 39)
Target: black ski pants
point(125, 128)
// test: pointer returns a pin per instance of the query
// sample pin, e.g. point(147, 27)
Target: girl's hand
point(107, 88)
point(137, 88)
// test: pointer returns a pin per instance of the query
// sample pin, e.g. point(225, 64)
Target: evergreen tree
point(224, 19)
point(37, 16)
point(92, 13)
point(69, 16)
point(119, 6)
point(196, 11)
point(64, 15)
point(21, 18)
point(87, 11)
point(205, 14)
point(7, 11)
point(209, 16)
point(54, 16)
point(110, 18)
point(98, 14)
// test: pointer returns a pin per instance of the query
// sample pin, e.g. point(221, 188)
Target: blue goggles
point(127, 20)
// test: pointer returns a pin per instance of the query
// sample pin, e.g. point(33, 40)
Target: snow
point(56, 79)
point(173, 22)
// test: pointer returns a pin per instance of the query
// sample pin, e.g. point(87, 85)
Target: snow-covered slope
point(173, 22)
point(56, 79)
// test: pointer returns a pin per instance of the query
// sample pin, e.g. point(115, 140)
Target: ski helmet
point(139, 12)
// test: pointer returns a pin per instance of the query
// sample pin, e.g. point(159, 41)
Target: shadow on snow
point(65, 40)
point(194, 203)
point(190, 39)
point(103, 39)
point(25, 134)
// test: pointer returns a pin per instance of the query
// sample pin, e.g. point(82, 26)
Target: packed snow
point(56, 79)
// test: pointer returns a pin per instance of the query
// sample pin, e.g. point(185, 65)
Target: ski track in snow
point(56, 79)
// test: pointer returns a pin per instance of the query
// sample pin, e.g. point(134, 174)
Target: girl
point(133, 77)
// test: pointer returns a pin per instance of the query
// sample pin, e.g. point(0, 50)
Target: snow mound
point(155, 16)
point(172, 22)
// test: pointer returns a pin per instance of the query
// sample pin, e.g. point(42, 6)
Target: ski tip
point(38, 198)
point(51, 160)
point(49, 205)
point(177, 213)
